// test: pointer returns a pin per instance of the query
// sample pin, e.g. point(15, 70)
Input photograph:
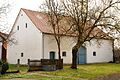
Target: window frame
point(26, 25)
point(18, 28)
point(64, 53)
point(22, 54)
point(94, 53)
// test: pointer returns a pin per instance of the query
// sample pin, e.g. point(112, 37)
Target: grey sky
point(15, 8)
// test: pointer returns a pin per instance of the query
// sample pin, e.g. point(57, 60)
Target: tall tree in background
point(87, 16)
point(4, 8)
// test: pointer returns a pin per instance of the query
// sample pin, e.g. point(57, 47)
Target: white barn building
point(35, 42)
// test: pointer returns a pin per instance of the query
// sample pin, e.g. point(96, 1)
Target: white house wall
point(66, 46)
point(28, 41)
point(103, 52)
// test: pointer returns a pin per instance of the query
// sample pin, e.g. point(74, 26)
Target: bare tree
point(87, 16)
point(4, 8)
point(56, 19)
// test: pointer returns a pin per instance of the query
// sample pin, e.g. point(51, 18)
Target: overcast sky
point(15, 8)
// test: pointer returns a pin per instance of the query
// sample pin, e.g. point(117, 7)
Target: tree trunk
point(58, 45)
point(4, 54)
point(113, 51)
point(59, 56)
point(74, 57)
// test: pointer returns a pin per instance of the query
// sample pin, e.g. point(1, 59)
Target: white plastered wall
point(66, 46)
point(29, 41)
point(103, 52)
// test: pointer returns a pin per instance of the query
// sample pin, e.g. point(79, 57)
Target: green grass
point(84, 71)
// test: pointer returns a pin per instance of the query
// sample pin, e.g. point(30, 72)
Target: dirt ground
point(115, 76)
point(19, 79)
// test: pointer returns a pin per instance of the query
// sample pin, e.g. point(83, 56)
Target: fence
point(57, 62)
point(45, 64)
point(34, 65)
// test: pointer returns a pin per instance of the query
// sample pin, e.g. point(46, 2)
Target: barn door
point(81, 55)
point(52, 55)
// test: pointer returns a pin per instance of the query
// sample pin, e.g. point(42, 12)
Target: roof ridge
point(28, 9)
point(24, 9)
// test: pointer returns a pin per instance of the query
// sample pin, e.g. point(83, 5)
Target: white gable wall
point(103, 52)
point(29, 41)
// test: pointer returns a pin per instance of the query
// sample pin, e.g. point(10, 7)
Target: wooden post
point(28, 64)
point(18, 65)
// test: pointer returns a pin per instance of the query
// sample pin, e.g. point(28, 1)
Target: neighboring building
point(35, 41)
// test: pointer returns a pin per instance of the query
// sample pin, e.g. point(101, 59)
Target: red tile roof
point(39, 19)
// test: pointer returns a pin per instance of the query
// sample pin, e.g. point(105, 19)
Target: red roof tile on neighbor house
point(39, 19)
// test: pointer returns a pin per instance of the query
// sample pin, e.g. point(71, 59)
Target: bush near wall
point(3, 67)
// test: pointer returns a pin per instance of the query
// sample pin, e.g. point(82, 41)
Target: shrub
point(4, 66)
point(0, 62)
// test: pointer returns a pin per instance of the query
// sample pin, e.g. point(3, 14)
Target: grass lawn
point(84, 71)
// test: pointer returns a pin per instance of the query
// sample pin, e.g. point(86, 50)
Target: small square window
point(64, 53)
point(94, 53)
point(26, 25)
point(17, 27)
point(21, 54)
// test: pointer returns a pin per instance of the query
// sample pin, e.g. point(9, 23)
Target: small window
point(17, 27)
point(94, 53)
point(26, 25)
point(64, 53)
point(21, 14)
point(21, 54)
point(52, 55)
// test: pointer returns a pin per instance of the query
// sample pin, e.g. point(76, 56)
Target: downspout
point(43, 45)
